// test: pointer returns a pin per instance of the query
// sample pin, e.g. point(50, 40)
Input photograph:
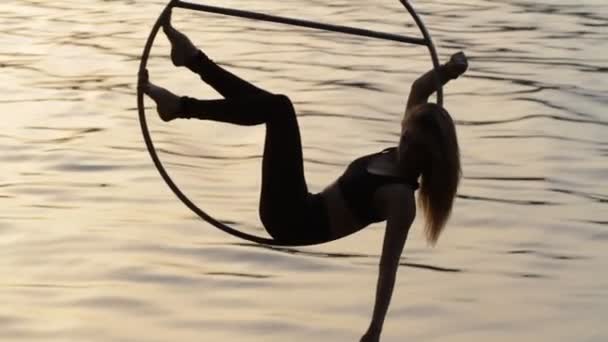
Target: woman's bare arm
point(426, 85)
point(401, 213)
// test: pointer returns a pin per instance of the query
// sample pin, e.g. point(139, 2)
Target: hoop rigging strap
point(426, 41)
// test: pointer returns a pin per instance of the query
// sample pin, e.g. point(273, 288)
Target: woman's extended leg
point(284, 195)
point(224, 82)
point(184, 53)
point(245, 111)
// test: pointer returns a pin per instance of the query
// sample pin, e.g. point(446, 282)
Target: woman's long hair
point(441, 175)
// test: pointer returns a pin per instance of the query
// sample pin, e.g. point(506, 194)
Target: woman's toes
point(166, 19)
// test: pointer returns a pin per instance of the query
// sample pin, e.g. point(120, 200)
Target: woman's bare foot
point(167, 103)
point(457, 65)
point(182, 49)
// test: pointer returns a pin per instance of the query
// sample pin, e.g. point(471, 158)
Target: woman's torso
point(352, 201)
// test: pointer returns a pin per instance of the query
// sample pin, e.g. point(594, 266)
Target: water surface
point(95, 247)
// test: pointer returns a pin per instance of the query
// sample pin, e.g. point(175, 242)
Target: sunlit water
point(95, 247)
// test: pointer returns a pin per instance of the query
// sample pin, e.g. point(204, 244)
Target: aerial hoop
point(426, 41)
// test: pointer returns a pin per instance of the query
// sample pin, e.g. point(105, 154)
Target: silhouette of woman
point(374, 188)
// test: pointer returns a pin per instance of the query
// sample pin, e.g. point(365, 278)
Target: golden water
point(95, 247)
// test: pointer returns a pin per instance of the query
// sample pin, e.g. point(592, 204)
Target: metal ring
point(159, 166)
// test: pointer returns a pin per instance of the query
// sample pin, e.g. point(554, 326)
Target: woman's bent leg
point(284, 195)
point(288, 211)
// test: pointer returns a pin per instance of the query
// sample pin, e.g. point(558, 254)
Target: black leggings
point(287, 209)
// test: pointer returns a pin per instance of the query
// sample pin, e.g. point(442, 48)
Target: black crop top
point(358, 187)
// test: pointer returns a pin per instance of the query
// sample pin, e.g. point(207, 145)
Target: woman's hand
point(370, 337)
point(372, 334)
point(457, 65)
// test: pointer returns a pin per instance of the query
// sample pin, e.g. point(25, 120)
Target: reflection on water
point(96, 248)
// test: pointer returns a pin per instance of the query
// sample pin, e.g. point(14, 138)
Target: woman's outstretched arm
point(401, 210)
point(426, 85)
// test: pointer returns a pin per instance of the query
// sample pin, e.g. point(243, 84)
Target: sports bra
point(359, 185)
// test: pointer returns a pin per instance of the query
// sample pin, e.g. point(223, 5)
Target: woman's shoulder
point(383, 163)
point(362, 163)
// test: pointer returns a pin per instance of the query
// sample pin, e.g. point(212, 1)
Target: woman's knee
point(282, 103)
point(284, 100)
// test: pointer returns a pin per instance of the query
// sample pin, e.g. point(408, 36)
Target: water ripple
point(88, 228)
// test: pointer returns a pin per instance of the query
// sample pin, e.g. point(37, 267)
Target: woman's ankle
point(198, 60)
